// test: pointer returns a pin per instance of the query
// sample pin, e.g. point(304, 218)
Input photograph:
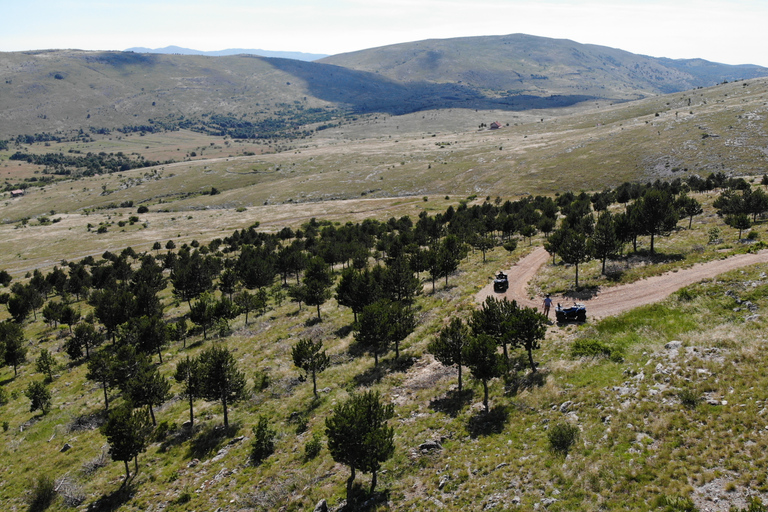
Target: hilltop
point(251, 96)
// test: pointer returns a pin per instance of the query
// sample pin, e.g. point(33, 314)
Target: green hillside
point(239, 171)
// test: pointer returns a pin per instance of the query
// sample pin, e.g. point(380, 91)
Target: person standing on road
point(547, 304)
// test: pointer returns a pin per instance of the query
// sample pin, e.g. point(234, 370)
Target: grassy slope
point(651, 445)
point(637, 441)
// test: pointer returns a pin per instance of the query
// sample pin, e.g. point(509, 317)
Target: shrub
point(714, 235)
point(689, 398)
point(562, 436)
point(591, 348)
point(686, 295)
point(313, 447)
point(260, 381)
point(755, 505)
point(676, 504)
point(142, 209)
point(263, 441)
point(42, 494)
point(614, 271)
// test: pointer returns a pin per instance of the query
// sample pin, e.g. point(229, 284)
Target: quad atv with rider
point(575, 313)
point(500, 283)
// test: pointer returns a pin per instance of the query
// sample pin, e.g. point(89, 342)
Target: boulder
point(430, 445)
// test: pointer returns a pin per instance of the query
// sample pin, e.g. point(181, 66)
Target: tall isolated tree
point(484, 362)
point(100, 369)
point(528, 329)
point(220, 378)
point(39, 397)
point(574, 250)
point(738, 221)
point(46, 364)
point(318, 279)
point(493, 319)
point(203, 312)
point(127, 431)
point(247, 302)
point(147, 387)
point(113, 306)
point(689, 207)
point(383, 323)
point(12, 342)
point(309, 356)
point(657, 213)
point(188, 374)
point(448, 347)
point(398, 282)
point(359, 437)
point(604, 241)
point(191, 276)
point(256, 266)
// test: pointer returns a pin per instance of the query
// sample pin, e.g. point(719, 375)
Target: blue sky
point(727, 31)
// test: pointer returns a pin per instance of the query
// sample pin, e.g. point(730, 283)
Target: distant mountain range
point(522, 64)
point(308, 57)
point(70, 89)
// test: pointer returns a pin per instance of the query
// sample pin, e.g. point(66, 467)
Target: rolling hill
point(66, 90)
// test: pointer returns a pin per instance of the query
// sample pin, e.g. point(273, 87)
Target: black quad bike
point(575, 313)
point(500, 283)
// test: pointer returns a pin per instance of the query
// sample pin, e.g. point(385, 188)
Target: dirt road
point(617, 299)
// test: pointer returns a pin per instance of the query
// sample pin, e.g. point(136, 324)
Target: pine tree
point(310, 357)
point(220, 378)
point(483, 361)
point(127, 432)
point(359, 437)
point(448, 348)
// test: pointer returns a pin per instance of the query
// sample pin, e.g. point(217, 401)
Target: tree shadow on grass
point(488, 423)
point(113, 501)
point(361, 500)
point(343, 331)
point(178, 437)
point(516, 383)
point(453, 402)
point(376, 373)
point(210, 439)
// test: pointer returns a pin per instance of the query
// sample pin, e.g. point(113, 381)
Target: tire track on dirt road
point(617, 299)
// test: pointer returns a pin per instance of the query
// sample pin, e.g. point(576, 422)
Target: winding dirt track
point(620, 298)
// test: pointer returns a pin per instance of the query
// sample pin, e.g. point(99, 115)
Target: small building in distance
point(495, 125)
point(17, 193)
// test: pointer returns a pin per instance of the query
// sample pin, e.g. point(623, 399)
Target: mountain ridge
point(55, 90)
point(172, 49)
